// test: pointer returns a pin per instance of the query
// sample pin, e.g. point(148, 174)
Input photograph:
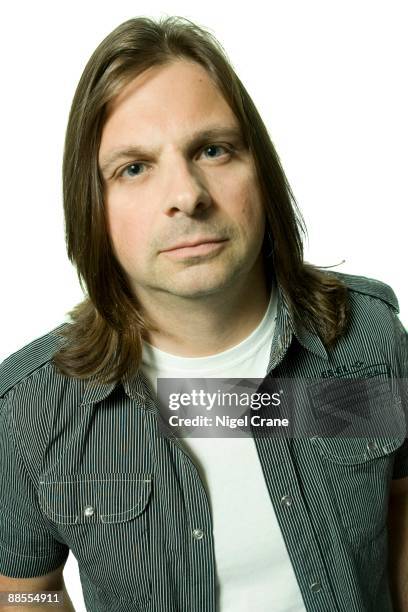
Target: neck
point(202, 327)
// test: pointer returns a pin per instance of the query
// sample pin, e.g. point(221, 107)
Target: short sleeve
point(401, 344)
point(27, 546)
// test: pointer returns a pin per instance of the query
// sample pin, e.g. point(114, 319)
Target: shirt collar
point(286, 328)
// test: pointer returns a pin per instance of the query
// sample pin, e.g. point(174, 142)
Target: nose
point(184, 190)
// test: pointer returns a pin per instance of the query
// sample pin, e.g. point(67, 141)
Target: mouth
point(196, 248)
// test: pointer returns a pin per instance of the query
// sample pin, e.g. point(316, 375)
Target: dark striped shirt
point(85, 468)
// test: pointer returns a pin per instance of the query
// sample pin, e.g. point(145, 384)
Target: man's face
point(184, 208)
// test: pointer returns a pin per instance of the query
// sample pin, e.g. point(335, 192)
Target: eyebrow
point(198, 138)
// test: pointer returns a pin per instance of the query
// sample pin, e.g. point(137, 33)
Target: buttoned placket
point(286, 496)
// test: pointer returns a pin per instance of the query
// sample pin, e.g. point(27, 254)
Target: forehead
point(165, 101)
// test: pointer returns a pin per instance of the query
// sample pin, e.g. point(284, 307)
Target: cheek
point(249, 210)
point(128, 233)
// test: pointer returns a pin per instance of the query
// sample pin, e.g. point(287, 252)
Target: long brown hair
point(104, 339)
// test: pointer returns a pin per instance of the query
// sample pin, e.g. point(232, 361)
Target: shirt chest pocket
point(358, 473)
point(105, 520)
point(356, 464)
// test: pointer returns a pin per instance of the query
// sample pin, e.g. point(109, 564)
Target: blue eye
point(212, 147)
point(131, 168)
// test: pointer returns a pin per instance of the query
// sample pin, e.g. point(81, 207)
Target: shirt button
point(198, 534)
point(316, 586)
point(286, 501)
point(89, 510)
point(372, 445)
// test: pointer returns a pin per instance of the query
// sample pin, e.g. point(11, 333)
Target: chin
point(196, 292)
point(201, 287)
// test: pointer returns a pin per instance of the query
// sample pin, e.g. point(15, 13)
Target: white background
point(329, 79)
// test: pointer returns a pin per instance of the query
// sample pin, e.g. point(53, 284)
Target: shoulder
point(370, 287)
point(29, 359)
point(374, 320)
point(37, 403)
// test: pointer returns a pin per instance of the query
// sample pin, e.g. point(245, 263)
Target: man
point(185, 234)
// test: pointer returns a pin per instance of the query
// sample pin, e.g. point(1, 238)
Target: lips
point(196, 249)
point(194, 243)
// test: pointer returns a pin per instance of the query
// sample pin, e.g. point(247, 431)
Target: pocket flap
point(366, 414)
point(94, 497)
point(351, 451)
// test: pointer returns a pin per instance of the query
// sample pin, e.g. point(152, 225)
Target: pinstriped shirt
point(84, 468)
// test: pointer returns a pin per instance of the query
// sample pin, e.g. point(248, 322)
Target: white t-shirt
point(254, 571)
